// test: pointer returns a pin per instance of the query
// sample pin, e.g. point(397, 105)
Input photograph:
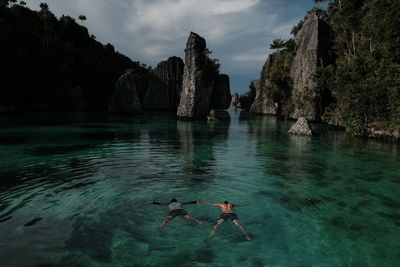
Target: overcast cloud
point(237, 31)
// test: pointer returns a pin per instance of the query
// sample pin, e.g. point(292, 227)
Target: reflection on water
point(74, 187)
point(197, 144)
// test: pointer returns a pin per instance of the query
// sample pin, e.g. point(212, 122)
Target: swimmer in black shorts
point(227, 215)
point(175, 209)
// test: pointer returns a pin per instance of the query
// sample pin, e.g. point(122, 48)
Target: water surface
point(73, 189)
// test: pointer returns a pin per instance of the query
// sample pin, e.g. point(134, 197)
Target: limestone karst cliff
point(221, 95)
point(49, 63)
point(312, 41)
point(199, 76)
point(203, 87)
point(263, 102)
point(287, 85)
point(65, 68)
point(165, 85)
point(125, 98)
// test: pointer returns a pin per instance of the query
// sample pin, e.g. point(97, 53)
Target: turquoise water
point(73, 189)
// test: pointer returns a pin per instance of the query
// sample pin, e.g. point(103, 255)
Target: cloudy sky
point(237, 31)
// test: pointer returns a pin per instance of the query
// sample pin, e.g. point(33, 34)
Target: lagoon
point(74, 187)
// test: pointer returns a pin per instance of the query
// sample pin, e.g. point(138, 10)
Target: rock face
point(245, 102)
point(234, 101)
point(125, 98)
point(312, 45)
point(165, 85)
point(263, 103)
point(294, 92)
point(301, 127)
point(221, 95)
point(196, 87)
point(74, 100)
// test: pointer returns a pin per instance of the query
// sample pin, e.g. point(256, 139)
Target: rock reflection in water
point(197, 144)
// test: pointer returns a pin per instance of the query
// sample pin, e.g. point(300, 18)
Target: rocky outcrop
point(245, 101)
point(221, 95)
point(312, 42)
point(234, 101)
point(263, 102)
point(287, 85)
point(301, 127)
point(196, 87)
point(125, 98)
point(165, 85)
point(377, 133)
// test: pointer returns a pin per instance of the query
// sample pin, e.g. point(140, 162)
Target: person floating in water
point(175, 209)
point(227, 215)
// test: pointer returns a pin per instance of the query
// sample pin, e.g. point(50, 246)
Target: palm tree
point(44, 6)
point(45, 15)
point(277, 44)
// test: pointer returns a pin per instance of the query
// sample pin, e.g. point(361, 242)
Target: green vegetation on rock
point(357, 77)
point(49, 63)
point(366, 74)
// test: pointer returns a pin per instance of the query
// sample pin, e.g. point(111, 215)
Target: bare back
point(226, 208)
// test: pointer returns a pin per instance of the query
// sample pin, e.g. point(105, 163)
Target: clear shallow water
point(73, 189)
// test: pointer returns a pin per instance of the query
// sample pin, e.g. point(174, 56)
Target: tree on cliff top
point(44, 6)
point(277, 44)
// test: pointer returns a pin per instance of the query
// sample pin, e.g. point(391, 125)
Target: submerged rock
point(165, 85)
point(301, 127)
point(125, 98)
point(196, 87)
point(205, 255)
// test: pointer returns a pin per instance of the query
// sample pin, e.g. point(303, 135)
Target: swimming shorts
point(229, 216)
point(177, 212)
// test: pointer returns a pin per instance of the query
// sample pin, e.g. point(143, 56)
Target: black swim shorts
point(229, 216)
point(178, 212)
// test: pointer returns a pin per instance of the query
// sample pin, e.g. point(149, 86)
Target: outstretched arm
point(156, 203)
point(191, 202)
point(209, 203)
